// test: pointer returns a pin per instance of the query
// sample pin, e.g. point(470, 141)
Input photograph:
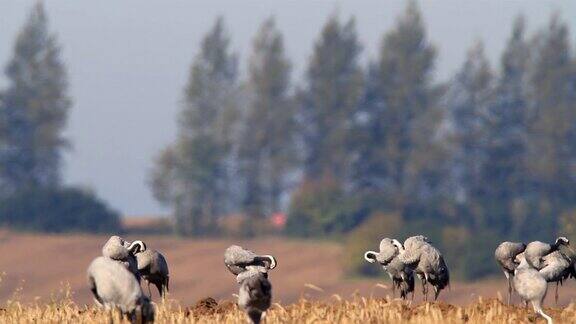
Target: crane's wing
point(114, 248)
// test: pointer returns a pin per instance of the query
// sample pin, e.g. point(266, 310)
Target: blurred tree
point(401, 101)
point(267, 144)
point(329, 100)
point(321, 208)
point(504, 175)
point(194, 175)
point(553, 127)
point(33, 110)
point(468, 99)
point(552, 130)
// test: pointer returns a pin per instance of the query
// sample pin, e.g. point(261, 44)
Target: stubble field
point(44, 281)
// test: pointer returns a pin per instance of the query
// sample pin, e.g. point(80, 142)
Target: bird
point(530, 285)
point(153, 268)
point(237, 259)
point(505, 255)
point(401, 275)
point(114, 286)
point(557, 267)
point(255, 293)
point(116, 248)
point(426, 261)
point(536, 250)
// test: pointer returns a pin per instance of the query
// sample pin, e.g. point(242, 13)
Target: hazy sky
point(128, 62)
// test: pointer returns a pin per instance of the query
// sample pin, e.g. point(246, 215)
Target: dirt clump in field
point(209, 306)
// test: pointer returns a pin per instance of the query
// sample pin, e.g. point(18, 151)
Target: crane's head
point(370, 256)
point(136, 247)
point(562, 240)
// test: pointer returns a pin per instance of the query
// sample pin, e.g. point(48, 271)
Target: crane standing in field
point(550, 261)
point(426, 261)
point(153, 268)
point(530, 285)
point(114, 286)
point(251, 270)
point(505, 254)
point(402, 276)
point(557, 267)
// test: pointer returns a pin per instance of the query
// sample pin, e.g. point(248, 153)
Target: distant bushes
point(321, 208)
point(58, 210)
point(366, 237)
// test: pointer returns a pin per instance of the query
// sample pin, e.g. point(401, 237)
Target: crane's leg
point(537, 304)
point(556, 293)
point(509, 286)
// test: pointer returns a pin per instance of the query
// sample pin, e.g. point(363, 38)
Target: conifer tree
point(267, 151)
point(33, 110)
point(193, 175)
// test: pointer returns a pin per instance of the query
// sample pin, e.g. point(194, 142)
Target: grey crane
point(402, 276)
point(237, 259)
point(505, 254)
point(116, 248)
point(114, 286)
point(536, 250)
point(153, 268)
point(530, 285)
point(557, 267)
point(426, 261)
point(255, 294)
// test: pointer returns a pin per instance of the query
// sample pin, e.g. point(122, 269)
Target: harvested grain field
point(356, 310)
point(309, 282)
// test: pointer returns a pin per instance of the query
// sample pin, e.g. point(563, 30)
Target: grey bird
point(530, 285)
point(557, 267)
point(153, 268)
point(505, 254)
point(237, 259)
point(255, 294)
point(113, 286)
point(401, 275)
point(536, 250)
point(426, 261)
point(118, 249)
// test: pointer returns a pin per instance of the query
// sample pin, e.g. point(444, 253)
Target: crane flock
point(114, 277)
point(530, 267)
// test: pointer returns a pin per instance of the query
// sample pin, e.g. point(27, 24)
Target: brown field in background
point(37, 267)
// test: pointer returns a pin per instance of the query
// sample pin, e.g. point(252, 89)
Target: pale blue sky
point(128, 61)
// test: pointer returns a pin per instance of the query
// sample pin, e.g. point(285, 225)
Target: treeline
point(381, 149)
point(33, 113)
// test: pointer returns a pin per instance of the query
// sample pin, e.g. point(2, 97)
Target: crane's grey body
point(237, 259)
point(426, 261)
point(536, 250)
point(402, 276)
point(530, 285)
point(549, 261)
point(153, 268)
point(255, 294)
point(116, 248)
point(114, 286)
point(505, 255)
